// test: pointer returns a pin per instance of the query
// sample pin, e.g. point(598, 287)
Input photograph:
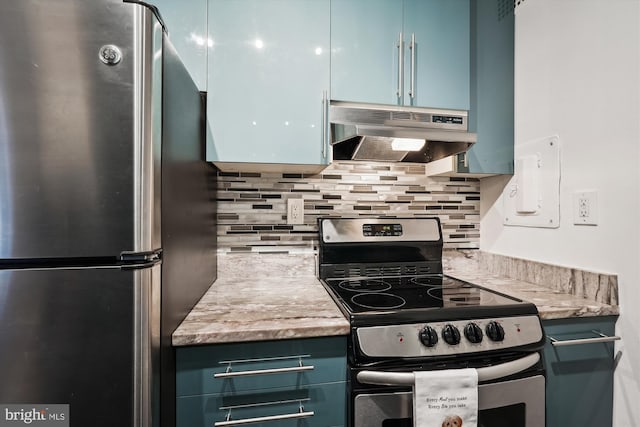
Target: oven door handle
point(484, 374)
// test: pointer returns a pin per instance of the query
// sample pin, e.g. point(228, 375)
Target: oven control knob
point(451, 334)
point(473, 332)
point(495, 331)
point(428, 336)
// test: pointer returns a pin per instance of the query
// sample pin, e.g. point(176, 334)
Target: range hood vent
point(362, 131)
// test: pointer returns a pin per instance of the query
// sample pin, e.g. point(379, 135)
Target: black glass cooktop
point(397, 293)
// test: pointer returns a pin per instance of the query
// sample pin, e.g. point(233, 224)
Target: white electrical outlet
point(585, 208)
point(295, 211)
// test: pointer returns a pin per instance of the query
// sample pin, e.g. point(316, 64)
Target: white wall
point(578, 76)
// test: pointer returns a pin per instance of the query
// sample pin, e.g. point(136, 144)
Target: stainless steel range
point(386, 275)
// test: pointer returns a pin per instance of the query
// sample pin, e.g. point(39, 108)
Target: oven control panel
point(380, 230)
point(449, 337)
point(393, 230)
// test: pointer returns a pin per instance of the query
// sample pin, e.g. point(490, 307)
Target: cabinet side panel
point(492, 111)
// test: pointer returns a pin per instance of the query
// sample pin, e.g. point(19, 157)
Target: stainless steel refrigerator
point(107, 214)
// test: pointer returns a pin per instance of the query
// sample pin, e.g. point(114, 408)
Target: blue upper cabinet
point(364, 50)
point(411, 52)
point(186, 23)
point(440, 52)
point(268, 81)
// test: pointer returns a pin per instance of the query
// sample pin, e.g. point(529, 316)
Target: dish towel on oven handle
point(447, 398)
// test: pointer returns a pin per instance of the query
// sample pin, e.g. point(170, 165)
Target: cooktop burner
point(364, 285)
point(378, 301)
point(372, 294)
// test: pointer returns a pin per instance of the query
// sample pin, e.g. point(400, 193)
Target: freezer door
point(80, 96)
point(86, 338)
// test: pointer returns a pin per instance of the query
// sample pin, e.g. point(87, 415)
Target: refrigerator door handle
point(141, 257)
point(140, 260)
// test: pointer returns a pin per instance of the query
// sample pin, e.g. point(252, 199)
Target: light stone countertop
point(262, 297)
point(277, 296)
point(561, 292)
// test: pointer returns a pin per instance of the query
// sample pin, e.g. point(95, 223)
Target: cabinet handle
point(601, 338)
point(400, 91)
point(297, 415)
point(264, 419)
point(263, 372)
point(412, 48)
point(324, 124)
point(230, 374)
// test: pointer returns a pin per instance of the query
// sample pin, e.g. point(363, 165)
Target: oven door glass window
point(514, 403)
point(506, 416)
point(405, 422)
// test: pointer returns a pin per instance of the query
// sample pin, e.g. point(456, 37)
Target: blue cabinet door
point(440, 75)
point(374, 60)
point(269, 65)
point(364, 50)
point(579, 377)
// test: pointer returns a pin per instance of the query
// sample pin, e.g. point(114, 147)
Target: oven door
point(516, 402)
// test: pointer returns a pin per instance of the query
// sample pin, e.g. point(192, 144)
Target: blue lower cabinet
point(579, 376)
point(287, 383)
point(322, 405)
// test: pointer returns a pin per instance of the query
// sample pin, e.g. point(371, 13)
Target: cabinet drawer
point(316, 406)
point(260, 365)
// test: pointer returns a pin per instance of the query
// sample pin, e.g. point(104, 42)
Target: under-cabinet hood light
point(407, 144)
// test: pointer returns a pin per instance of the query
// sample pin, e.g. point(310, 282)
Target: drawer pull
point(263, 372)
point(229, 422)
point(601, 338)
point(230, 374)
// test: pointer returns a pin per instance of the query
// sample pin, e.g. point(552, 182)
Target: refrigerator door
point(80, 100)
point(68, 337)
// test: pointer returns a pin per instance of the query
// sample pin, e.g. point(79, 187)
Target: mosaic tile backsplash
point(252, 207)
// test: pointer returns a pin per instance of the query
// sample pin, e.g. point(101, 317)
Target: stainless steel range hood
point(379, 132)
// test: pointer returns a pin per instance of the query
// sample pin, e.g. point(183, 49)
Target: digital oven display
point(382, 229)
